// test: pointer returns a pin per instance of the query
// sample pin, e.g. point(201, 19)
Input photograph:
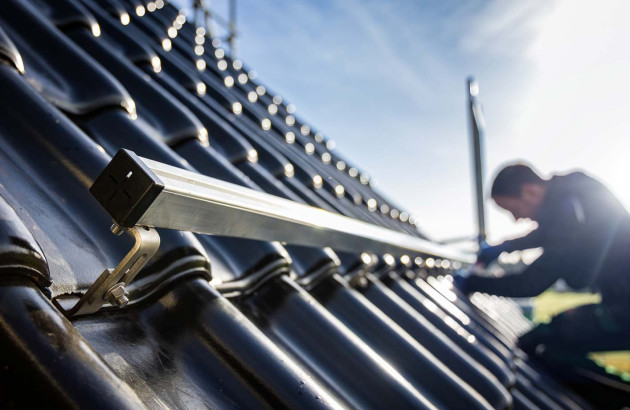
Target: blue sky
point(387, 82)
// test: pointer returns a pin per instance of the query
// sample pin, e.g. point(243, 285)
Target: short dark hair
point(510, 179)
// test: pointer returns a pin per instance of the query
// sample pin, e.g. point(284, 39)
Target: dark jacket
point(585, 234)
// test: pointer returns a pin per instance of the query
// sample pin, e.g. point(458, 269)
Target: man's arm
point(488, 254)
point(534, 280)
point(563, 220)
point(530, 241)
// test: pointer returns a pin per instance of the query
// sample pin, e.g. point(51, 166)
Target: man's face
point(525, 206)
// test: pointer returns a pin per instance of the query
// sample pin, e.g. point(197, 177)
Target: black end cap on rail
point(126, 188)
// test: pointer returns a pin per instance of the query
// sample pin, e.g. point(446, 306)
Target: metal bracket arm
point(110, 285)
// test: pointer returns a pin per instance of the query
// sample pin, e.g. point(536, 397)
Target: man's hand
point(459, 281)
point(488, 254)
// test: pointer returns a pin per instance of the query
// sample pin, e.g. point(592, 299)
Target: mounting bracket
point(110, 285)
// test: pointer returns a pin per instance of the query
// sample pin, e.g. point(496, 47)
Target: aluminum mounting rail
point(137, 191)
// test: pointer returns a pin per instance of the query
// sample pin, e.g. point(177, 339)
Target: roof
point(213, 321)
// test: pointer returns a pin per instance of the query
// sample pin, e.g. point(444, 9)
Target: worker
point(584, 232)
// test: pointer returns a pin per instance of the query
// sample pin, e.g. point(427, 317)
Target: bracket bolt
point(117, 296)
point(117, 229)
point(359, 281)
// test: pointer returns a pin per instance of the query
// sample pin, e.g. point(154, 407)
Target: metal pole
point(477, 125)
point(232, 28)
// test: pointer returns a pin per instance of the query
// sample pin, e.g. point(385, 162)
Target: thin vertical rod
point(232, 28)
point(477, 125)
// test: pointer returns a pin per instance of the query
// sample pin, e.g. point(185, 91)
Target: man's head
point(520, 190)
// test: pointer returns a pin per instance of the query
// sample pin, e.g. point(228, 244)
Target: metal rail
point(139, 191)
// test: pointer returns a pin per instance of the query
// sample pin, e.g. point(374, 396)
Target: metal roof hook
point(110, 285)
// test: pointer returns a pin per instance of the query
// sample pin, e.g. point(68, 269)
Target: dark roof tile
point(9, 53)
point(20, 254)
point(56, 67)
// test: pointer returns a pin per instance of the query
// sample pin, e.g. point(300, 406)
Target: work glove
point(459, 280)
point(488, 254)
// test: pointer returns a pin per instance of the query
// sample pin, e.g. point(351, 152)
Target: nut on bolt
point(117, 296)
